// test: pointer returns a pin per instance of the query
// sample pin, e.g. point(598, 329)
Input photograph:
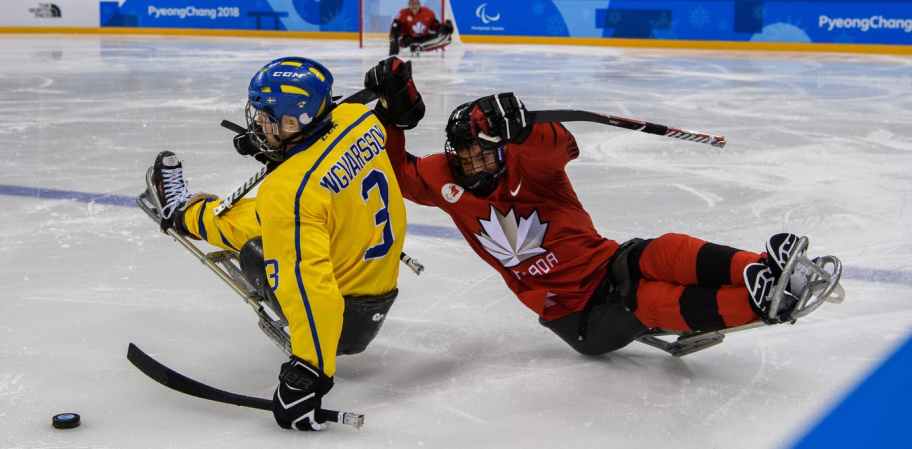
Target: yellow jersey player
point(330, 216)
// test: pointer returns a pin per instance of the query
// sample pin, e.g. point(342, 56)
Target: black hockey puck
point(66, 421)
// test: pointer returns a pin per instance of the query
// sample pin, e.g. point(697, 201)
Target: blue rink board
point(874, 414)
point(809, 21)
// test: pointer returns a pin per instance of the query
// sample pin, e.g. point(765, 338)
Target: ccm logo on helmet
point(288, 75)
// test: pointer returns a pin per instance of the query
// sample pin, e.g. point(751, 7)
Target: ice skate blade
point(822, 287)
point(149, 206)
point(685, 344)
point(689, 343)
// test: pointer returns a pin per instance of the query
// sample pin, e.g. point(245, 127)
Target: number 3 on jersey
point(377, 179)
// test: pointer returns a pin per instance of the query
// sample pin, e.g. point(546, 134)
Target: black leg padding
point(251, 259)
point(364, 315)
point(605, 325)
point(624, 270)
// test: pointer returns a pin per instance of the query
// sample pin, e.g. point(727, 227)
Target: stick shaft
point(568, 115)
point(238, 193)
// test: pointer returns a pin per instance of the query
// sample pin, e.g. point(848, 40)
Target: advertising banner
point(807, 21)
point(49, 13)
point(821, 21)
point(287, 15)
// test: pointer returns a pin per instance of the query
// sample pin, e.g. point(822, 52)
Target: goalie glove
point(299, 395)
point(500, 118)
point(446, 27)
point(400, 102)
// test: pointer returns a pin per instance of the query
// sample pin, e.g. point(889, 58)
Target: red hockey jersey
point(532, 228)
point(417, 25)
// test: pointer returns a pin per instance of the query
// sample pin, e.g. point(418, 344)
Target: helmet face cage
point(255, 122)
point(482, 181)
point(459, 140)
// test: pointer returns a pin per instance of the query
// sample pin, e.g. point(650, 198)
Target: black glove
point(446, 27)
point(500, 117)
point(299, 395)
point(245, 146)
point(400, 102)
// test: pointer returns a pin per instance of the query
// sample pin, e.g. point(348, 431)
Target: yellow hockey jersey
point(333, 224)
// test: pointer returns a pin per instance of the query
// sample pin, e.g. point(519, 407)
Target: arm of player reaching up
point(400, 107)
point(408, 169)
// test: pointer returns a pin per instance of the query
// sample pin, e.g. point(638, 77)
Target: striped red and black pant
point(687, 284)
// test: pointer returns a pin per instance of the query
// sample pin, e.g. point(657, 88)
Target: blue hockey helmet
point(290, 94)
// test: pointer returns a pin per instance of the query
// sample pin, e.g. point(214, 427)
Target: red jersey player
point(503, 182)
point(416, 27)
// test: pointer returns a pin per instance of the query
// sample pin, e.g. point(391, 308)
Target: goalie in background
point(324, 232)
point(502, 181)
point(418, 29)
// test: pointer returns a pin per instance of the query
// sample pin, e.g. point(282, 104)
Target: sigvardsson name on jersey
point(346, 168)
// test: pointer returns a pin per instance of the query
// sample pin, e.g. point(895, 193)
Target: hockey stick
point(178, 382)
point(568, 115)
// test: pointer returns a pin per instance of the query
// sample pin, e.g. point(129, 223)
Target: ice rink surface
point(820, 145)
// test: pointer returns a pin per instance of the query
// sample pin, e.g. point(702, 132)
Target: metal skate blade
point(823, 285)
point(837, 296)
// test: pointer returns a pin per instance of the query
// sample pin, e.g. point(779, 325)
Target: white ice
point(819, 144)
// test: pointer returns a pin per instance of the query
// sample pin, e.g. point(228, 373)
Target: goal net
point(376, 16)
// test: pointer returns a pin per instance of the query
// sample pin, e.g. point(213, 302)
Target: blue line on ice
point(445, 232)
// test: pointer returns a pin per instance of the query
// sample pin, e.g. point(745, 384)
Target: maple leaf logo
point(512, 241)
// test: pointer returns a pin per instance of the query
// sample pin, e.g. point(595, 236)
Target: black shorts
point(605, 325)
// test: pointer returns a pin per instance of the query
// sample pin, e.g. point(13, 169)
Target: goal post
point(376, 16)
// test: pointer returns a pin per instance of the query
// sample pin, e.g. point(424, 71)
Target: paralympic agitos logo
point(482, 13)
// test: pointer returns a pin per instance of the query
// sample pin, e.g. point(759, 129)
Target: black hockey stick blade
point(178, 382)
point(234, 127)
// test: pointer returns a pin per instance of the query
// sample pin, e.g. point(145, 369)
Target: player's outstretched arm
point(400, 107)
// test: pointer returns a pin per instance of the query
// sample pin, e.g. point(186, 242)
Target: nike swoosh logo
point(516, 192)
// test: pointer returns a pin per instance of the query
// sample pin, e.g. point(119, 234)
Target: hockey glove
point(400, 102)
point(244, 145)
point(446, 27)
point(299, 395)
point(499, 118)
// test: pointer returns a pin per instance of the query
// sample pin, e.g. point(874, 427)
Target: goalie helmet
point(476, 164)
point(288, 100)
